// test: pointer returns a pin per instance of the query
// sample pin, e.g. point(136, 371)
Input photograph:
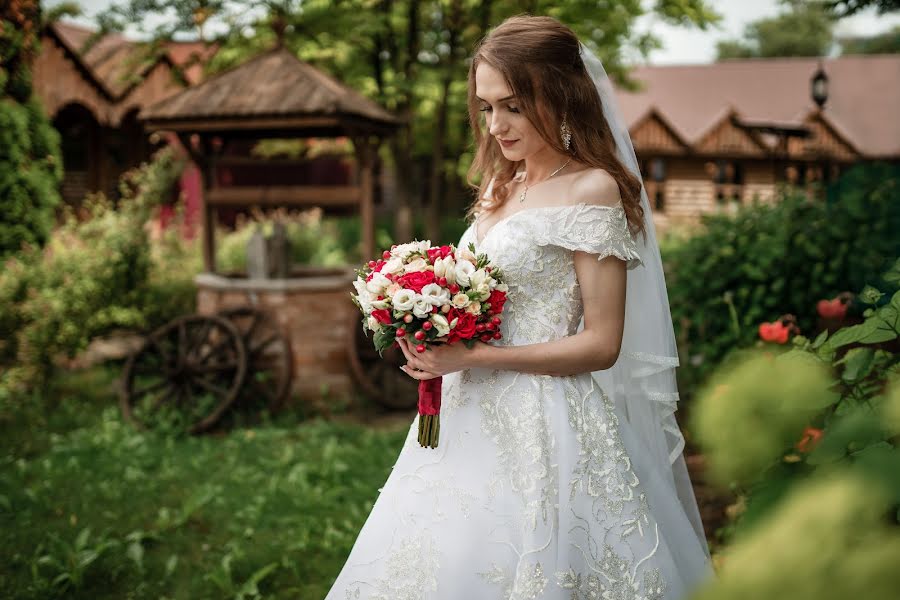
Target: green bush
point(90, 278)
point(807, 437)
point(768, 260)
point(30, 159)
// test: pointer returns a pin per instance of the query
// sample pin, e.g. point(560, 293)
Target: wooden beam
point(286, 195)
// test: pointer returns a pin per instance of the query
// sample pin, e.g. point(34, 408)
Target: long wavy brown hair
point(541, 62)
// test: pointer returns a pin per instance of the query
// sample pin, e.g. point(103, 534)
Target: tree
point(30, 160)
point(885, 43)
point(410, 56)
point(845, 8)
point(805, 29)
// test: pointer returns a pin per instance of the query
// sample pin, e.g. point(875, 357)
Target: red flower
point(497, 300)
point(832, 309)
point(416, 280)
point(465, 326)
point(438, 252)
point(811, 437)
point(382, 315)
point(774, 332)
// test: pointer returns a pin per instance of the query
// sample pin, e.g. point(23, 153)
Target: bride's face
point(502, 117)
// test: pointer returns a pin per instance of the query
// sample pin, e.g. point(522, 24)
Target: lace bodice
point(535, 248)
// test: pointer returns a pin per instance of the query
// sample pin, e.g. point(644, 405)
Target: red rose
point(416, 280)
point(497, 300)
point(465, 326)
point(831, 309)
point(382, 315)
point(774, 332)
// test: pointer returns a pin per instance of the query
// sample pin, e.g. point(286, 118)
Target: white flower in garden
point(463, 270)
point(416, 264)
point(460, 300)
point(441, 326)
point(435, 294)
point(404, 299)
point(377, 284)
point(373, 323)
point(422, 308)
point(393, 266)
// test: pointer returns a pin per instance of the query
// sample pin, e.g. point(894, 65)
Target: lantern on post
point(819, 86)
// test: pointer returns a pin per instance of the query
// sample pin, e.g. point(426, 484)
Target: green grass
point(90, 508)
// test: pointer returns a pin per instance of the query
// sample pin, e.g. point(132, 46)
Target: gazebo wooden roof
point(274, 90)
point(274, 95)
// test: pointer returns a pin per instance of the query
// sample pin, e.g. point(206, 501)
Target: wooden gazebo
point(274, 95)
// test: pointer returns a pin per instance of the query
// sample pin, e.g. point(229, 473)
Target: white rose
point(474, 308)
point(460, 300)
point(435, 294)
point(377, 284)
point(422, 308)
point(441, 326)
point(463, 270)
point(416, 264)
point(405, 299)
point(394, 265)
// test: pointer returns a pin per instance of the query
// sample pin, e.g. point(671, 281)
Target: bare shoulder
point(595, 186)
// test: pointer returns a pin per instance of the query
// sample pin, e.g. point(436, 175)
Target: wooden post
point(365, 155)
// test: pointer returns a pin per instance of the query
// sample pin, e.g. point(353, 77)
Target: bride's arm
point(594, 348)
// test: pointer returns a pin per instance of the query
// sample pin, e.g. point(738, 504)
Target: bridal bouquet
point(433, 295)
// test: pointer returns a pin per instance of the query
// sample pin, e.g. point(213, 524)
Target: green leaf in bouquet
point(383, 339)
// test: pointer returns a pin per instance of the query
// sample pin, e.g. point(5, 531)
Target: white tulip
point(441, 326)
point(442, 266)
point(405, 299)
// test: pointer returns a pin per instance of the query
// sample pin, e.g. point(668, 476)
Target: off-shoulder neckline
point(474, 225)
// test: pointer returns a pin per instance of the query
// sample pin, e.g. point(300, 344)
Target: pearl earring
point(565, 133)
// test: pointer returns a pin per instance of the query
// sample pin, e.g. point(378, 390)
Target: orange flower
point(811, 437)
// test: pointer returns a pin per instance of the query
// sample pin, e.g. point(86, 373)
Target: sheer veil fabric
point(642, 382)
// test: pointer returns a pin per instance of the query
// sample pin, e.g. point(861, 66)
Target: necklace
point(522, 197)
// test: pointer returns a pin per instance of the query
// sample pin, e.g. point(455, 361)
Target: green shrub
point(807, 437)
point(89, 279)
point(30, 159)
point(773, 259)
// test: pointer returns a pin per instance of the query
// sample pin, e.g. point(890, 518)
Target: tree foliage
point(805, 29)
point(30, 160)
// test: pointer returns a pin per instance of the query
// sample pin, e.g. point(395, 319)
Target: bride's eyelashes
point(512, 109)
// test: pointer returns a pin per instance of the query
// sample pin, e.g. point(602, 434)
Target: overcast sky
point(681, 45)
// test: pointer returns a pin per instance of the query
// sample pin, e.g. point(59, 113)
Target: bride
point(559, 473)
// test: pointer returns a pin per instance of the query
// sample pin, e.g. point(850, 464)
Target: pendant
point(522, 197)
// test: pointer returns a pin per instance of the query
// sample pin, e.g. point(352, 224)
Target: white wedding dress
point(536, 489)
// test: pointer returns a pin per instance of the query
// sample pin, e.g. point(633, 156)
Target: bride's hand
point(436, 361)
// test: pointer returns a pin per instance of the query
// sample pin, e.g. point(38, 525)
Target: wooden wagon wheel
point(185, 375)
point(269, 357)
point(379, 377)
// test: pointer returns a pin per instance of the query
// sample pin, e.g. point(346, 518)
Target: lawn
point(91, 508)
